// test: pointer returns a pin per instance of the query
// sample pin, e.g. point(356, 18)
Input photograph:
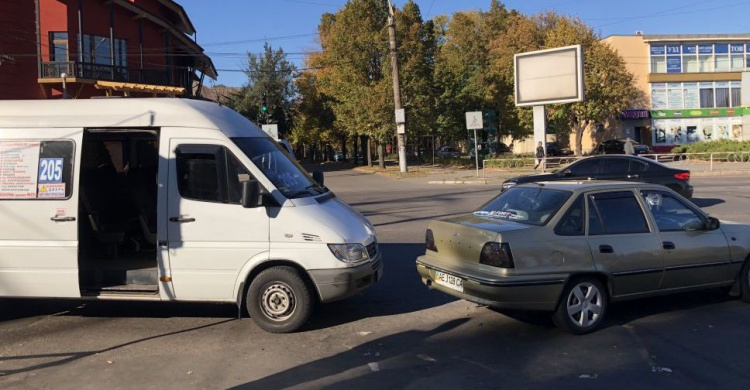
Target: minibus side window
point(209, 173)
point(36, 169)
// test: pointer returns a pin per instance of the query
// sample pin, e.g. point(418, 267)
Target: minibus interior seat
point(101, 199)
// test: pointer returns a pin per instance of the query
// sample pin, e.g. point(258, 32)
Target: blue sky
point(227, 29)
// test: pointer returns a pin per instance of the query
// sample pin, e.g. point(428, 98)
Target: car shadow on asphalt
point(360, 356)
point(627, 312)
point(706, 202)
point(399, 291)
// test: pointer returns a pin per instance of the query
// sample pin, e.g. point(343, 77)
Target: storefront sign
point(698, 113)
point(657, 50)
point(705, 49)
point(736, 48)
point(635, 114)
point(689, 49)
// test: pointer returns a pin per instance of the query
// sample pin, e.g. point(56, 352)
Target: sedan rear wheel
point(582, 307)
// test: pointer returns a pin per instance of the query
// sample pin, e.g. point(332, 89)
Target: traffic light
point(264, 103)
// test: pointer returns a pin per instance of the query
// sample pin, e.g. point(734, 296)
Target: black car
point(616, 146)
point(616, 167)
point(554, 150)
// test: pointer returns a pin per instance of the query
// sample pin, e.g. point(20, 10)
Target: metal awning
point(136, 87)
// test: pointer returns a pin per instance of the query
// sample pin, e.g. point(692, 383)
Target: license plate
point(450, 281)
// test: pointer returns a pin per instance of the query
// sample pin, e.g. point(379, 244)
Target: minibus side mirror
point(250, 194)
point(318, 177)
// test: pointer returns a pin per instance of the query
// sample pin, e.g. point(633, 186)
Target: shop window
point(707, 96)
point(658, 64)
point(690, 63)
point(736, 100)
point(705, 63)
point(722, 97)
point(721, 59)
point(738, 62)
point(658, 59)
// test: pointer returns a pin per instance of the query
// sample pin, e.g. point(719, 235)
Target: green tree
point(416, 48)
point(313, 118)
point(353, 70)
point(270, 79)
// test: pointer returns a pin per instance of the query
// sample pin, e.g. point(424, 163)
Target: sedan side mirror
point(712, 223)
point(250, 194)
point(318, 177)
point(567, 173)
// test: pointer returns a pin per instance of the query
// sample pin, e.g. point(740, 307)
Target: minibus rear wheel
point(279, 300)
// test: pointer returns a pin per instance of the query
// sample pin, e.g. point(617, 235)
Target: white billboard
point(549, 76)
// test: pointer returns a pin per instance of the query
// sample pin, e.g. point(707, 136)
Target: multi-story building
point(85, 48)
point(690, 88)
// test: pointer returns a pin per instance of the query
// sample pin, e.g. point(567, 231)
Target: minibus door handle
point(181, 219)
point(63, 219)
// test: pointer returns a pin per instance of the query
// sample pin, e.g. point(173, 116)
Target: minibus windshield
point(286, 174)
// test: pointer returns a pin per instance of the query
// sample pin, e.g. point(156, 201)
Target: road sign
point(272, 130)
point(400, 116)
point(474, 120)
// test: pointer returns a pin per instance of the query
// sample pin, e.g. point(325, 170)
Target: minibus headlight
point(349, 253)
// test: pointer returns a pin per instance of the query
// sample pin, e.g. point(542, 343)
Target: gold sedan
point(570, 248)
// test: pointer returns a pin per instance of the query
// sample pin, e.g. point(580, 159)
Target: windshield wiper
point(309, 191)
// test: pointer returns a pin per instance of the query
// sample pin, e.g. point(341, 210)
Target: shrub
point(714, 147)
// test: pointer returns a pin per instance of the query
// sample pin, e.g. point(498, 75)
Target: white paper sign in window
point(19, 164)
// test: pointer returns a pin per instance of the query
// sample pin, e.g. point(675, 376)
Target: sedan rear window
point(529, 205)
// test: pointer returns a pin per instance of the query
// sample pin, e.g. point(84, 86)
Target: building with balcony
point(85, 48)
point(691, 88)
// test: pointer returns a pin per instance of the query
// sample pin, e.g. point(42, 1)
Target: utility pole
point(401, 127)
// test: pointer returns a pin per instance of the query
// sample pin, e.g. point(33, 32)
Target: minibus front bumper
point(340, 283)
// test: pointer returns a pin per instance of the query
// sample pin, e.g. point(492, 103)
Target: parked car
point(570, 248)
point(494, 148)
point(448, 152)
point(616, 167)
point(554, 150)
point(340, 156)
point(617, 146)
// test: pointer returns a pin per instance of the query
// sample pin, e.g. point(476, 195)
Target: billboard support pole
point(540, 130)
point(476, 151)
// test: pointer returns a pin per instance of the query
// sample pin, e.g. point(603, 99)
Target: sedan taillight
point(497, 255)
point(684, 176)
point(429, 240)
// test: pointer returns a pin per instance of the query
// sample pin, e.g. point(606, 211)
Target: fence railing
point(712, 160)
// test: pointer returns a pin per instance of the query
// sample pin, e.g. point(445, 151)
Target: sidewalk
point(468, 176)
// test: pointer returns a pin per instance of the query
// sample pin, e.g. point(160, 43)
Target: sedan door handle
point(63, 219)
point(181, 219)
point(668, 245)
point(606, 249)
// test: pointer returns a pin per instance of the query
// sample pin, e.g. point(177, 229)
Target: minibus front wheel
point(279, 300)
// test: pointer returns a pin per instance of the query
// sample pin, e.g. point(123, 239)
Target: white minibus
point(170, 200)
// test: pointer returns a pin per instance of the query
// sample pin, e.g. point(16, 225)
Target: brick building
point(98, 48)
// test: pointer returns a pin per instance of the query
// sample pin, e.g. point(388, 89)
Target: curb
point(458, 182)
point(720, 173)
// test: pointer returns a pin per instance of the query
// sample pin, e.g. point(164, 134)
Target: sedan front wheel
point(582, 307)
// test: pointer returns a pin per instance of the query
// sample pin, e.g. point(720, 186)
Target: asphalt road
point(398, 334)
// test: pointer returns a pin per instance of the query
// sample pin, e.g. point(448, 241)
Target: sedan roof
point(588, 185)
